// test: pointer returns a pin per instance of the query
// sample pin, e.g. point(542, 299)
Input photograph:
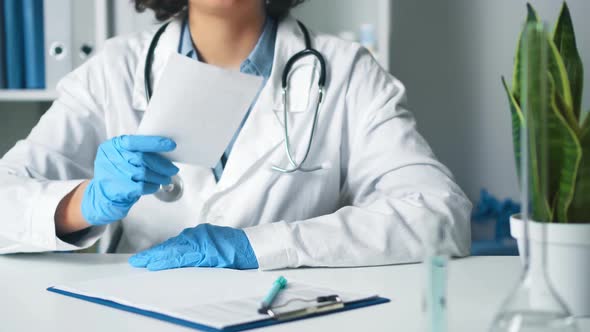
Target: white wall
point(336, 16)
point(332, 16)
point(451, 54)
point(124, 18)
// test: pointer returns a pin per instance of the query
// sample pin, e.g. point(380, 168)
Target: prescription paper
point(200, 107)
point(218, 298)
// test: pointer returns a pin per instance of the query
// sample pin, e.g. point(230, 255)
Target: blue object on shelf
point(494, 248)
point(34, 44)
point(2, 48)
point(13, 38)
point(491, 226)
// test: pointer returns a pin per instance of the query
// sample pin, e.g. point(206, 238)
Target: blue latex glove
point(126, 167)
point(203, 246)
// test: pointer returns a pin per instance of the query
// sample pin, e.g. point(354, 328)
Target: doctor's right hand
point(126, 167)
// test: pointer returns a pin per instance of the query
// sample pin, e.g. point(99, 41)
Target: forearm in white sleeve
point(384, 230)
point(43, 168)
point(27, 225)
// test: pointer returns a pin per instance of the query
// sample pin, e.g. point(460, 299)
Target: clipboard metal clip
point(322, 304)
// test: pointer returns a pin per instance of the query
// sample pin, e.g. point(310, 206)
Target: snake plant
point(559, 174)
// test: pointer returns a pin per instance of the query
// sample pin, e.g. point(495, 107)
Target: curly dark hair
point(165, 9)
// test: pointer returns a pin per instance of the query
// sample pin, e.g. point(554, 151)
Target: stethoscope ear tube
point(297, 57)
point(149, 61)
point(305, 52)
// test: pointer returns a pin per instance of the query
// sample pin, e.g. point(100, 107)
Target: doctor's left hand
point(203, 246)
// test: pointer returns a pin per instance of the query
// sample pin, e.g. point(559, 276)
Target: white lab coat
point(379, 185)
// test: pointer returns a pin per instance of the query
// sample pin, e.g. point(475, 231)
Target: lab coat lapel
point(167, 45)
point(263, 131)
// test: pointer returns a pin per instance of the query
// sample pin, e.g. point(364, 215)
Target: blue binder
point(34, 45)
point(202, 327)
point(2, 48)
point(14, 48)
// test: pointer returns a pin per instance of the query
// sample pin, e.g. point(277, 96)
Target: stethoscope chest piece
point(171, 192)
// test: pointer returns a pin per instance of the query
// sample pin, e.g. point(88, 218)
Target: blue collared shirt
point(258, 63)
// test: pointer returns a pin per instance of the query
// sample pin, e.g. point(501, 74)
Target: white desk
point(477, 287)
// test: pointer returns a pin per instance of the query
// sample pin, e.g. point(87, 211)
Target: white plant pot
point(568, 259)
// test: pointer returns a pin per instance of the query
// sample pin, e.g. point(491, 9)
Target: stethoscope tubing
point(298, 166)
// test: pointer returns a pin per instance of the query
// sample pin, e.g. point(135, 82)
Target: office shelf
point(27, 95)
point(100, 26)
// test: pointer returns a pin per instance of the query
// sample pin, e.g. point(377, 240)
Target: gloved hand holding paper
point(200, 107)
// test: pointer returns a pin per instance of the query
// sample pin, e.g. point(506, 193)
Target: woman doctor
point(82, 174)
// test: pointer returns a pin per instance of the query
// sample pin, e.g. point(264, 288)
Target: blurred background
point(450, 55)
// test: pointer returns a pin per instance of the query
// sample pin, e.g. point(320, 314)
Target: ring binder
point(84, 33)
point(57, 50)
point(57, 29)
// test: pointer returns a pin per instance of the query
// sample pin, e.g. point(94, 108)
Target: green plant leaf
point(535, 106)
point(558, 162)
point(565, 40)
point(585, 119)
point(580, 207)
point(565, 154)
point(531, 17)
point(562, 85)
point(517, 121)
point(541, 209)
point(556, 67)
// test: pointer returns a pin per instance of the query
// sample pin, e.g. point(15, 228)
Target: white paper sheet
point(200, 107)
point(214, 297)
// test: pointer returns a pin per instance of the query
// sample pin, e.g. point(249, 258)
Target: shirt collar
point(259, 61)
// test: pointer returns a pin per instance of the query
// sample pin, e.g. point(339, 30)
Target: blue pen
point(279, 284)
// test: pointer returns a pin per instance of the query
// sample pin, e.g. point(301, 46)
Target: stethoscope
point(174, 191)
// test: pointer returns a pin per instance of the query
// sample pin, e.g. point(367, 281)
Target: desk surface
point(477, 286)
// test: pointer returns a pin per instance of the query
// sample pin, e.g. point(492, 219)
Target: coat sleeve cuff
point(269, 242)
point(43, 219)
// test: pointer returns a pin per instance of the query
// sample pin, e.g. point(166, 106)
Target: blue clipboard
point(202, 327)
